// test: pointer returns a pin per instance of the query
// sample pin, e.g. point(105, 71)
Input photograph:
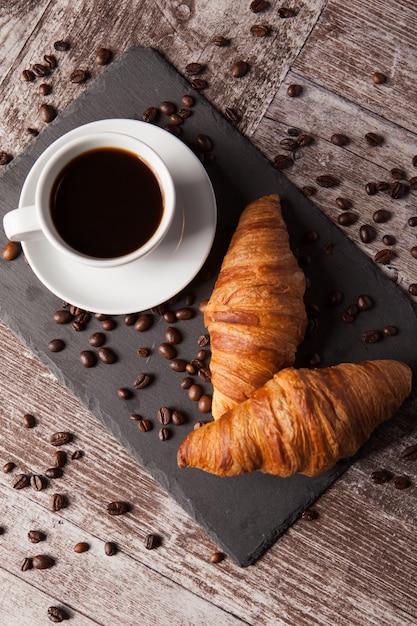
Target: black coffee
point(106, 203)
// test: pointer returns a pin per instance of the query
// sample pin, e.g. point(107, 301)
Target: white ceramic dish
point(160, 275)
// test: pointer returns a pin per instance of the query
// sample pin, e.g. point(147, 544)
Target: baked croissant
point(300, 421)
point(255, 316)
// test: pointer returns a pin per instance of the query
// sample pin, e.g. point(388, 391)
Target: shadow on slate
point(244, 515)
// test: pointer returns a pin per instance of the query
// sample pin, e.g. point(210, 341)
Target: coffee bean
point(144, 322)
point(343, 203)
point(62, 46)
point(309, 515)
point(412, 221)
point(29, 420)
point(176, 119)
point(195, 392)
point(178, 365)
point(304, 140)
point(11, 250)
point(239, 69)
point(282, 161)
point(97, 339)
point(259, 30)
point(381, 476)
point(110, 548)
point(187, 382)
point(371, 189)
point(204, 404)
point(327, 181)
point(57, 502)
point(62, 316)
point(164, 434)
point(288, 143)
point(103, 56)
point(188, 100)
point(412, 183)
point(150, 114)
point(390, 331)
point(60, 438)
point(364, 303)
point(339, 139)
point(216, 557)
point(397, 190)
point(378, 78)
point(81, 546)
point(367, 233)
point(143, 353)
point(335, 298)
point(26, 564)
point(107, 356)
point(199, 84)
point(371, 336)
point(413, 252)
point(44, 89)
point(204, 374)
point(56, 614)
point(109, 324)
point(42, 561)
point(193, 69)
point(184, 113)
point(79, 76)
point(257, 6)
point(144, 425)
point(60, 458)
point(142, 380)
point(56, 345)
point(21, 481)
point(285, 12)
point(401, 482)
point(381, 216)
point(9, 467)
point(185, 313)
point(41, 70)
point(397, 173)
point(88, 358)
point(412, 289)
point(77, 454)
point(347, 218)
point(383, 256)
point(50, 61)
point(47, 113)
point(167, 351)
point(173, 335)
point(204, 142)
point(410, 453)
point(178, 418)
point(388, 240)
point(382, 185)
point(293, 91)
point(152, 541)
point(118, 507)
point(35, 536)
point(164, 415)
point(36, 482)
point(54, 472)
point(28, 76)
point(220, 41)
point(372, 139)
point(203, 340)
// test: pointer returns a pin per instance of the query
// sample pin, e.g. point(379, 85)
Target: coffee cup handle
point(22, 224)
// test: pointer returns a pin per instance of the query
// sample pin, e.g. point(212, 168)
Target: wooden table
point(355, 565)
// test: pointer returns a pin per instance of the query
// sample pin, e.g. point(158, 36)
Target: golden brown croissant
point(300, 421)
point(256, 316)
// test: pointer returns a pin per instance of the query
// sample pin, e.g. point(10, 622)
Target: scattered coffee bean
point(35, 536)
point(107, 356)
point(204, 374)
point(381, 476)
point(109, 324)
point(110, 548)
point(412, 221)
point(184, 114)
point(142, 380)
point(144, 425)
point(144, 322)
point(118, 507)
point(164, 434)
point(176, 119)
point(335, 298)
point(193, 69)
point(187, 382)
point(167, 351)
point(372, 139)
point(309, 515)
point(21, 481)
point(47, 113)
point(60, 438)
point(195, 392)
point(378, 78)
point(199, 84)
point(60, 458)
point(42, 561)
point(204, 143)
point(97, 339)
point(88, 358)
point(304, 140)
point(56, 345)
point(185, 313)
point(410, 453)
point(204, 404)
point(50, 61)
point(288, 143)
point(216, 557)
point(285, 12)
point(29, 420)
point(371, 189)
point(5, 158)
point(367, 233)
point(124, 393)
point(26, 564)
point(413, 252)
point(390, 331)
point(36, 482)
point(152, 541)
point(178, 418)
point(79, 76)
point(364, 303)
point(57, 502)
point(54, 472)
point(203, 340)
point(164, 415)
point(412, 183)
point(143, 353)
point(44, 89)
point(412, 289)
point(62, 46)
point(239, 69)
point(9, 467)
point(339, 139)
point(381, 216)
point(293, 91)
point(81, 546)
point(347, 218)
point(28, 76)
point(398, 190)
point(257, 6)
point(397, 173)
point(178, 365)
point(77, 454)
point(327, 181)
point(282, 161)
point(343, 203)
point(56, 614)
point(103, 56)
point(371, 336)
point(150, 114)
point(11, 250)
point(383, 256)
point(173, 335)
point(41, 70)
point(388, 240)
point(62, 316)
point(259, 30)
point(188, 100)
point(401, 482)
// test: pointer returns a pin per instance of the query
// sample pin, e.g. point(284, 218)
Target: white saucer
point(161, 274)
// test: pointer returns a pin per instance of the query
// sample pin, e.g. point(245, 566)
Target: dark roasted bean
point(81, 546)
point(107, 356)
point(60, 458)
point(293, 91)
point(103, 56)
point(285, 12)
point(220, 41)
point(178, 417)
point(77, 454)
point(178, 365)
point(371, 189)
point(347, 218)
point(398, 190)
point(26, 564)
point(195, 392)
point(62, 46)
point(150, 114)
point(79, 76)
point(204, 374)
point(60, 438)
point(239, 69)
point(167, 108)
point(410, 453)
point(54, 472)
point(124, 394)
point(193, 69)
point(169, 317)
point(257, 6)
point(41, 70)
point(56, 614)
point(185, 313)
point(412, 289)
point(282, 161)
point(28, 76)
point(118, 507)
point(413, 183)
point(383, 256)
point(63, 316)
point(164, 434)
point(327, 181)
point(42, 561)
point(364, 303)
point(204, 404)
point(199, 84)
point(173, 335)
point(397, 173)
point(88, 358)
point(4, 159)
point(335, 298)
point(47, 113)
point(401, 482)
point(35, 536)
point(259, 30)
point(164, 415)
point(381, 216)
point(339, 139)
point(378, 78)
point(309, 191)
point(203, 340)
point(8, 467)
point(11, 251)
point(343, 203)
point(167, 351)
point(144, 322)
point(188, 100)
point(304, 140)
point(381, 476)
point(142, 380)
point(110, 548)
point(204, 142)
point(97, 339)
point(144, 425)
point(36, 482)
point(29, 420)
point(184, 114)
point(371, 336)
point(216, 557)
point(372, 139)
point(288, 143)
point(44, 89)
point(21, 481)
point(309, 515)
point(390, 331)
point(187, 382)
point(413, 252)
point(56, 345)
point(367, 233)
point(143, 353)
point(50, 61)
point(152, 541)
point(176, 119)
point(109, 324)
point(388, 240)
point(57, 502)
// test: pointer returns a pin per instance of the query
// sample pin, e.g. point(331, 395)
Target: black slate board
point(246, 514)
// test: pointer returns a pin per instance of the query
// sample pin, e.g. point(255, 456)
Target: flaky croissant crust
point(256, 316)
point(300, 421)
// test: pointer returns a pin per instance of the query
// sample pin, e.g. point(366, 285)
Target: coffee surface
point(106, 203)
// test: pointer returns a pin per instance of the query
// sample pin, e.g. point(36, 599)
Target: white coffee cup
point(145, 166)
